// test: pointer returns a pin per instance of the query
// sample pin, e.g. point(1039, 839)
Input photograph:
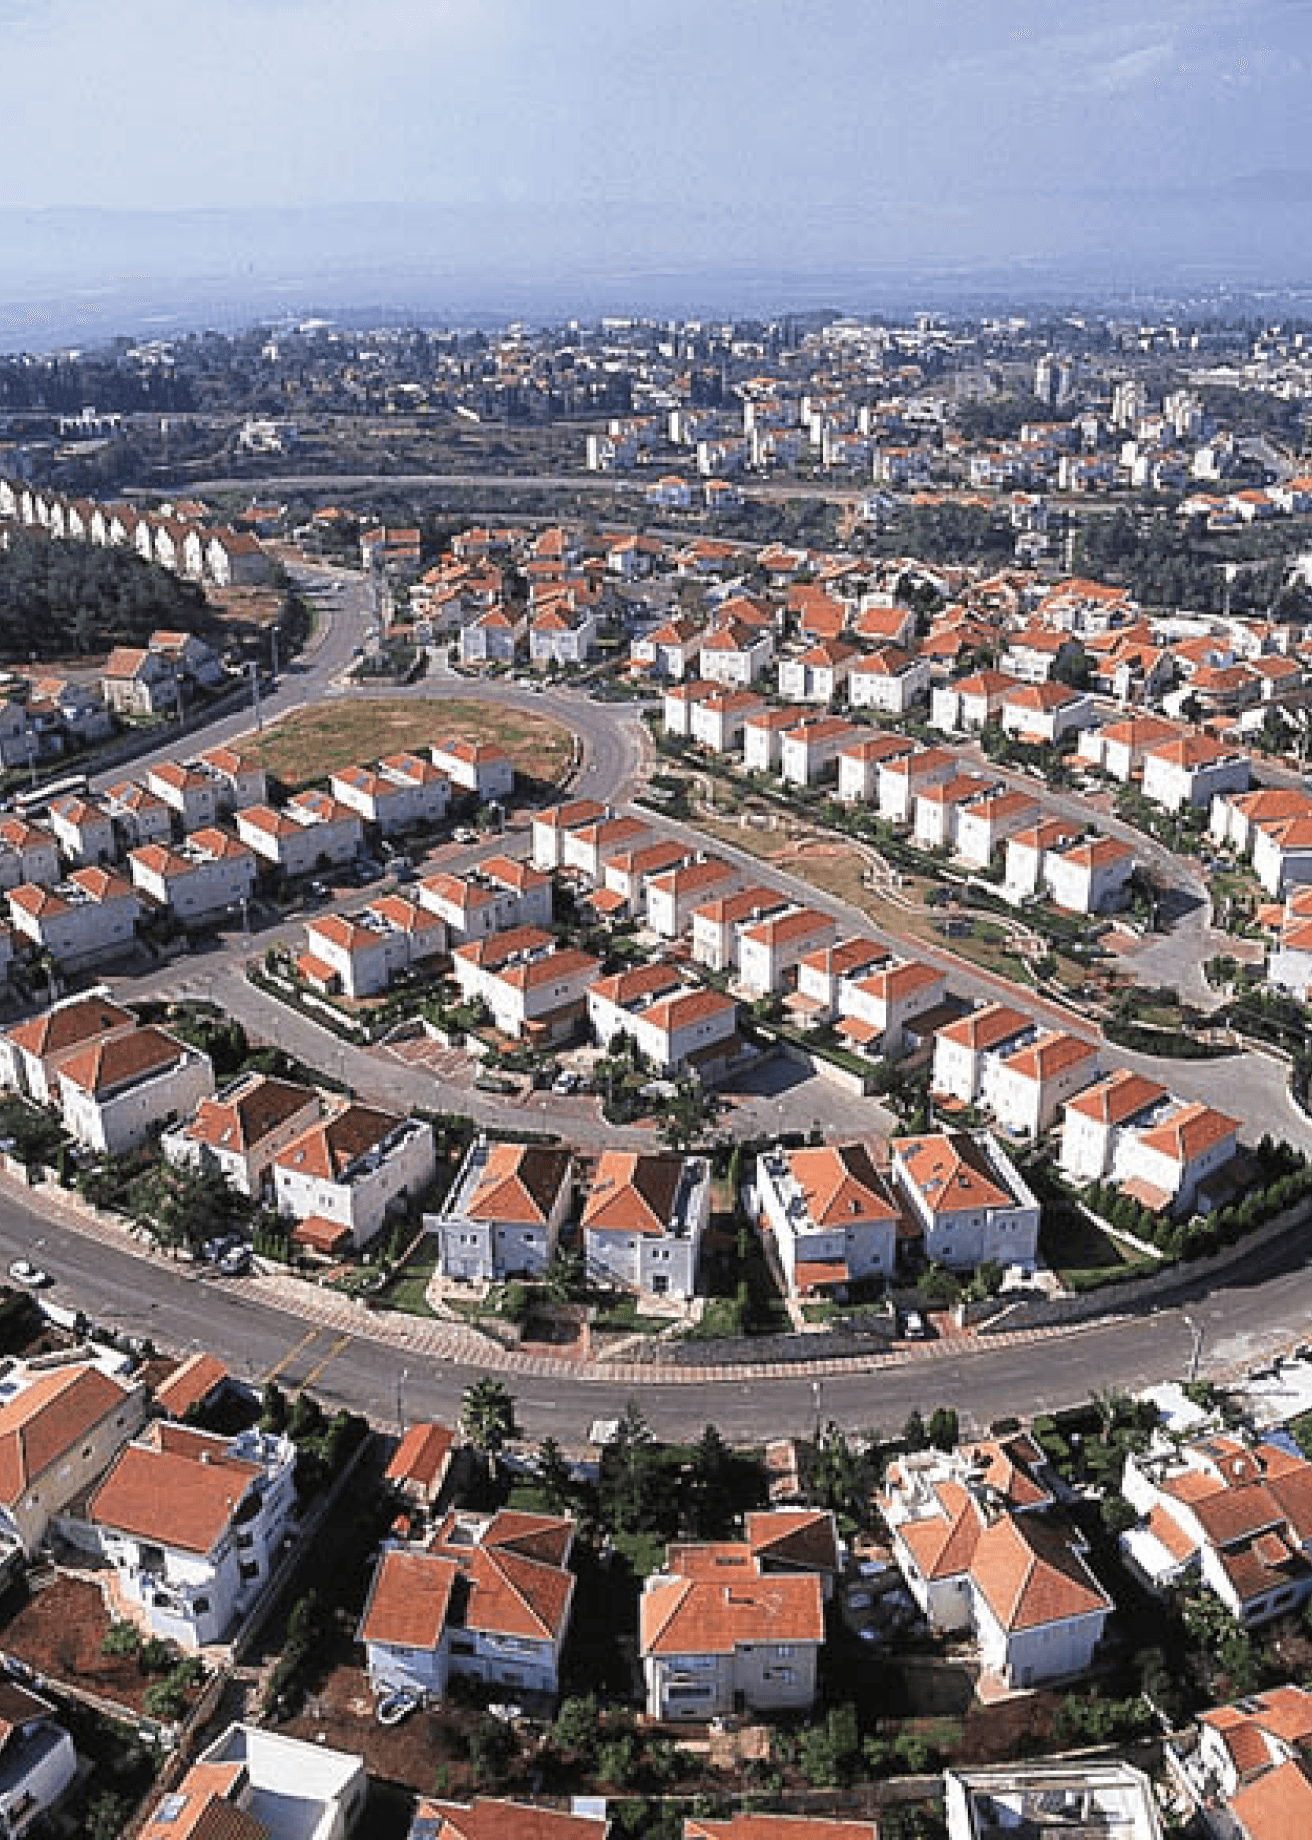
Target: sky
point(776, 133)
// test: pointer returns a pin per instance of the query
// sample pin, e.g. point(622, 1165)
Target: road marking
point(291, 1354)
point(343, 1341)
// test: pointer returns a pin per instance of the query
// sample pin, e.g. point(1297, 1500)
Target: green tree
point(487, 1414)
point(181, 1205)
point(553, 1475)
point(710, 1504)
point(107, 1817)
point(628, 1473)
point(943, 1428)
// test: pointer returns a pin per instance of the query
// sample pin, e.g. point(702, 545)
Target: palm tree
point(487, 1415)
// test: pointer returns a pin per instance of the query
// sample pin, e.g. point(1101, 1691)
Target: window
point(201, 1606)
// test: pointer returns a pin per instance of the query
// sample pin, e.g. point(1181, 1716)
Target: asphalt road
point(1268, 1309)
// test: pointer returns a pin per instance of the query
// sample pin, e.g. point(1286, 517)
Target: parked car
point(463, 834)
point(565, 1082)
point(914, 1326)
point(237, 1263)
point(22, 1271)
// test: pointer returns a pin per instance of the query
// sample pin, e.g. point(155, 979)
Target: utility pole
point(254, 668)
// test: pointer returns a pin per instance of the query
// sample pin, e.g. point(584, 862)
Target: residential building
point(257, 1784)
point(859, 764)
point(888, 680)
point(820, 976)
point(770, 949)
point(722, 1636)
point(209, 873)
point(1091, 876)
point(984, 823)
point(240, 1130)
point(971, 702)
point(1235, 1514)
point(735, 654)
point(810, 752)
point(37, 1760)
point(832, 1216)
point(550, 828)
point(968, 1198)
point(716, 924)
point(643, 1218)
point(28, 853)
point(674, 895)
point(938, 810)
point(194, 798)
point(1192, 771)
point(496, 896)
point(673, 1022)
point(61, 1424)
point(963, 1049)
point(1167, 1164)
point(1097, 1121)
point(906, 776)
point(718, 721)
point(532, 987)
point(1026, 1088)
point(140, 816)
point(238, 779)
point(1086, 1795)
point(84, 831)
point(488, 1599)
point(31, 1052)
point(763, 738)
point(193, 1526)
point(486, 1818)
point(114, 1091)
point(420, 1464)
point(820, 673)
point(586, 847)
point(350, 1171)
point(480, 767)
point(360, 956)
point(880, 1009)
point(137, 682)
point(504, 1211)
point(1043, 714)
point(87, 917)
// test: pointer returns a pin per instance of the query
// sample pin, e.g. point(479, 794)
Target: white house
point(262, 1785)
point(833, 1217)
point(531, 986)
point(671, 1021)
point(859, 764)
point(488, 1599)
point(193, 1526)
point(964, 1048)
point(770, 948)
point(61, 1424)
point(240, 1130)
point(114, 1092)
point(968, 1198)
point(643, 1218)
point(90, 916)
point(1026, 1088)
point(888, 680)
point(32, 1051)
point(1192, 770)
point(504, 1211)
point(353, 1169)
point(480, 767)
point(37, 1760)
point(1096, 1121)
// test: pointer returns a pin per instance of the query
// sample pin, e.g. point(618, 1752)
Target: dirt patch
point(59, 1630)
point(311, 743)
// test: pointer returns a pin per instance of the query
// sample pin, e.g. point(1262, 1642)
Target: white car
point(23, 1272)
point(465, 835)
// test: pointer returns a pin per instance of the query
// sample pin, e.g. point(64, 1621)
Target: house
point(28, 853)
point(1167, 1163)
point(193, 1526)
point(769, 949)
point(137, 682)
point(240, 1130)
point(31, 1052)
point(1025, 1088)
point(114, 1091)
point(140, 816)
point(208, 873)
point(860, 761)
point(350, 1171)
point(832, 1215)
point(792, 1540)
point(905, 777)
point(562, 636)
point(994, 1561)
point(667, 650)
point(938, 809)
point(985, 822)
point(533, 987)
point(37, 1759)
point(1086, 1795)
point(777, 1827)
point(643, 1218)
point(359, 956)
point(1040, 654)
point(626, 872)
point(888, 680)
point(309, 835)
point(199, 1380)
point(238, 779)
point(734, 653)
point(550, 828)
point(234, 559)
point(1192, 771)
point(964, 1048)
point(1043, 714)
point(504, 1211)
point(1119, 749)
point(1091, 875)
point(393, 801)
point(676, 1024)
point(679, 702)
point(486, 1818)
point(810, 751)
point(820, 673)
point(716, 924)
point(488, 1599)
point(674, 895)
point(84, 831)
point(876, 1008)
point(971, 702)
point(1096, 1122)
point(763, 738)
point(494, 637)
point(1238, 1515)
point(420, 1464)
point(1027, 853)
point(480, 767)
point(492, 898)
point(717, 721)
point(256, 1784)
point(722, 1636)
point(61, 1424)
point(968, 1199)
point(1240, 1742)
point(586, 847)
point(820, 976)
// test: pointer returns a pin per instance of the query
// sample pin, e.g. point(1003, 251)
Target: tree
point(180, 1204)
point(553, 1475)
point(487, 1413)
point(564, 1276)
point(943, 1428)
point(627, 1471)
point(709, 1502)
point(107, 1817)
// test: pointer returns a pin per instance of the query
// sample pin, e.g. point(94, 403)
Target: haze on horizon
point(520, 149)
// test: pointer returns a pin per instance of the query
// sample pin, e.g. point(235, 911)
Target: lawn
point(313, 742)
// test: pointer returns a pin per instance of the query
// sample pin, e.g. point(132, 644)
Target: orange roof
point(776, 1827)
point(1123, 1095)
point(1051, 1054)
point(321, 1234)
point(633, 1192)
point(841, 1185)
point(703, 1616)
point(192, 1381)
point(330, 1147)
point(1276, 1805)
point(409, 1600)
point(1030, 1575)
point(422, 1455)
point(520, 1183)
point(987, 1027)
point(949, 1172)
point(41, 1423)
point(486, 1819)
point(1190, 1132)
point(183, 1495)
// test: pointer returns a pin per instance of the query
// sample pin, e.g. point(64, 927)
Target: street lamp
point(1195, 1329)
point(817, 1395)
point(401, 1379)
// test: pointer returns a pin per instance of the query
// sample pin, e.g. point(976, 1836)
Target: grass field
point(311, 743)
